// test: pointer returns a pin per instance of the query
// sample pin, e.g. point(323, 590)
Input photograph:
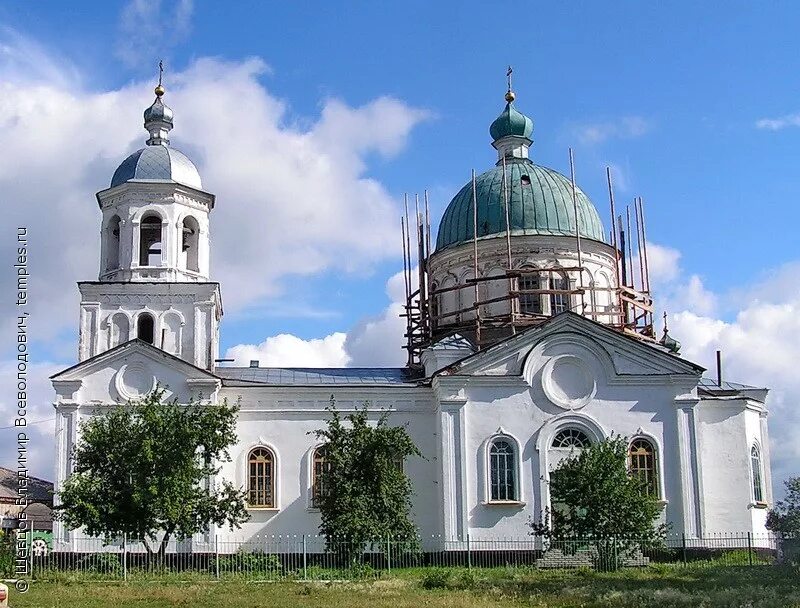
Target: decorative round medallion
point(568, 382)
point(134, 380)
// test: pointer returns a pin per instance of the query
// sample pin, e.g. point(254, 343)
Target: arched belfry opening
point(150, 248)
point(146, 327)
point(112, 243)
point(190, 235)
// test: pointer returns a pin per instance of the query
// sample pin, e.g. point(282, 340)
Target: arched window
point(571, 438)
point(145, 327)
point(321, 466)
point(503, 483)
point(559, 302)
point(435, 301)
point(530, 303)
point(112, 243)
point(642, 464)
point(190, 235)
point(755, 465)
point(150, 241)
point(261, 478)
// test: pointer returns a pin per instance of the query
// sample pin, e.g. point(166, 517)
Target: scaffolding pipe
point(577, 228)
point(508, 241)
point(613, 231)
point(475, 260)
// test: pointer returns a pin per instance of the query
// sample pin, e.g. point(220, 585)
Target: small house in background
point(40, 501)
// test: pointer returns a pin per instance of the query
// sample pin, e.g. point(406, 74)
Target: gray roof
point(39, 490)
point(158, 163)
point(709, 384)
point(318, 376)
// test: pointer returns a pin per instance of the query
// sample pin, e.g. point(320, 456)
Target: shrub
point(251, 562)
point(100, 563)
point(436, 578)
point(6, 555)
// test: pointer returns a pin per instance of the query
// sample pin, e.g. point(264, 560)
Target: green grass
point(656, 586)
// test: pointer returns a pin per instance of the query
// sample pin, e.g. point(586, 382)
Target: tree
point(367, 495)
point(785, 517)
point(143, 469)
point(596, 499)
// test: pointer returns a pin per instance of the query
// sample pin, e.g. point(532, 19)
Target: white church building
point(528, 338)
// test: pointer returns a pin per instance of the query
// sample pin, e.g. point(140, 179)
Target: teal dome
point(511, 122)
point(540, 202)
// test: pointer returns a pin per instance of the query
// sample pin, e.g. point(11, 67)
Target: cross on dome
point(158, 117)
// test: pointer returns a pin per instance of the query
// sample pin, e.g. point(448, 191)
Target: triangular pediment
point(129, 371)
point(624, 355)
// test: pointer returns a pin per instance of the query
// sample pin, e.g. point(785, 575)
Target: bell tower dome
point(154, 278)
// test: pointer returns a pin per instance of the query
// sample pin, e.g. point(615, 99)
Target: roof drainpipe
point(719, 368)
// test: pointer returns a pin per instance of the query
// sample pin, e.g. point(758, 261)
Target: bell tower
point(154, 279)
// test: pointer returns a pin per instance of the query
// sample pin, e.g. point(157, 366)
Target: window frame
point(316, 488)
point(654, 483)
point(757, 475)
point(273, 503)
point(570, 429)
point(516, 468)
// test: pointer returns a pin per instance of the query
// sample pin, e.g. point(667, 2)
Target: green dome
point(540, 202)
point(511, 122)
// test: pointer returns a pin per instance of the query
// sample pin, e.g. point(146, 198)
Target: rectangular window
point(529, 303)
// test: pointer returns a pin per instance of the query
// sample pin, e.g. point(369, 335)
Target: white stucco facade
point(571, 374)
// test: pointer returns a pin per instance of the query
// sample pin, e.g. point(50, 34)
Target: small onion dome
point(511, 122)
point(670, 343)
point(158, 120)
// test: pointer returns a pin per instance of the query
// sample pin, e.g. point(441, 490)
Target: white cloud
point(286, 350)
point(148, 29)
point(626, 127)
point(777, 124)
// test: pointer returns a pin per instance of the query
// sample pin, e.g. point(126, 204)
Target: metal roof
point(511, 122)
point(318, 376)
point(709, 384)
point(539, 202)
point(158, 163)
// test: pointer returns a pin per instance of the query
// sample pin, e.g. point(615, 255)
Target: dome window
point(525, 180)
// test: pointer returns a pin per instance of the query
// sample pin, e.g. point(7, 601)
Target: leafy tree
point(366, 494)
point(142, 469)
point(596, 499)
point(785, 517)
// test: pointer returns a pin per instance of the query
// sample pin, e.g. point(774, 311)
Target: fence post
point(750, 547)
point(389, 553)
point(469, 553)
point(305, 559)
point(125, 556)
point(30, 544)
point(683, 536)
point(216, 554)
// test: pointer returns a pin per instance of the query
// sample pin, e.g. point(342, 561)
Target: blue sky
point(693, 105)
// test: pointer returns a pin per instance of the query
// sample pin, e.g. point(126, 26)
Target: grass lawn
point(750, 587)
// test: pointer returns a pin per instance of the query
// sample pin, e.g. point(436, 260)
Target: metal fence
point(311, 557)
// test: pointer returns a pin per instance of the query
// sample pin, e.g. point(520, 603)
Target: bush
point(6, 555)
point(436, 578)
point(100, 563)
point(251, 562)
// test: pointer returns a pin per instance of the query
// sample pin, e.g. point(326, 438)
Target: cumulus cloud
point(374, 341)
point(149, 28)
point(777, 124)
point(626, 127)
point(286, 350)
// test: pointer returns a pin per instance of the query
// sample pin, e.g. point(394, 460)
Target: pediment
point(569, 334)
point(130, 371)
